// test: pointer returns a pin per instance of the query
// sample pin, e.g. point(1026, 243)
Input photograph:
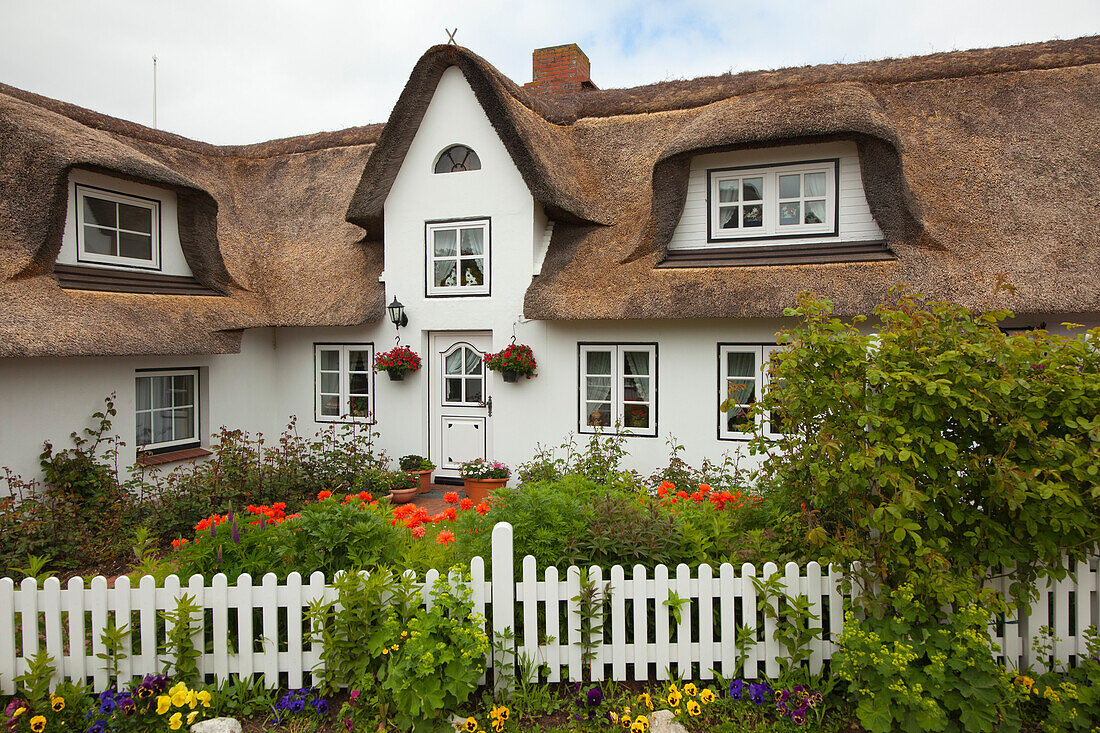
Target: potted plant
point(481, 478)
point(514, 361)
point(397, 486)
point(419, 469)
point(396, 362)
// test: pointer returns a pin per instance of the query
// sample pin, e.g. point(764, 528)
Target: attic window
point(774, 201)
point(457, 159)
point(117, 229)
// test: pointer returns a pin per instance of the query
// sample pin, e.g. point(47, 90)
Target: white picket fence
point(635, 637)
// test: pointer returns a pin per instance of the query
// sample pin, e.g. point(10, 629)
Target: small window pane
point(753, 216)
point(636, 416)
point(359, 406)
point(454, 390)
point(454, 362)
point(162, 426)
point(473, 241)
point(330, 360)
point(737, 420)
point(445, 274)
point(330, 383)
point(473, 361)
point(183, 424)
point(815, 184)
point(359, 384)
point(790, 213)
point(143, 396)
point(741, 391)
point(789, 186)
point(754, 189)
point(135, 218)
point(473, 390)
point(472, 273)
point(727, 190)
point(444, 241)
point(727, 217)
point(144, 428)
point(636, 362)
point(815, 212)
point(359, 361)
point(100, 241)
point(98, 211)
point(598, 362)
point(599, 388)
point(599, 414)
point(183, 390)
point(330, 405)
point(636, 389)
point(740, 364)
point(162, 392)
point(135, 246)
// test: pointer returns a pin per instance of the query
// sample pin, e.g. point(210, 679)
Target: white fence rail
point(634, 632)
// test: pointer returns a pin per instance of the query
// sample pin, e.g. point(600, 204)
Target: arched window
point(463, 375)
point(457, 158)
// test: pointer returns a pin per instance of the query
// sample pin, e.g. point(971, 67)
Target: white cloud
point(243, 71)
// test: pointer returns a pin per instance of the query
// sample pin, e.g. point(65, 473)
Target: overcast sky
point(237, 71)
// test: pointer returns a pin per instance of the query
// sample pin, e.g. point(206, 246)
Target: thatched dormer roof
point(974, 163)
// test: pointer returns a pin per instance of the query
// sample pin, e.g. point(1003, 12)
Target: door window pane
point(453, 390)
point(474, 389)
point(473, 361)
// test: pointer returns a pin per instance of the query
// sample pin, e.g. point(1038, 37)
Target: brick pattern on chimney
point(559, 69)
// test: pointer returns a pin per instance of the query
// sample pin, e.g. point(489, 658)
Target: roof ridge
point(350, 136)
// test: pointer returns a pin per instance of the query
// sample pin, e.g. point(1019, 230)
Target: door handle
point(488, 403)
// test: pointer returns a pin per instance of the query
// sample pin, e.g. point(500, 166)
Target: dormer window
point(457, 159)
point(773, 201)
point(117, 229)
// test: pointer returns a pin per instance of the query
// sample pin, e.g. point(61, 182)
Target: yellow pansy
point(57, 703)
point(707, 696)
point(693, 708)
point(192, 699)
point(176, 721)
point(674, 698)
point(191, 716)
point(646, 700)
point(38, 723)
point(179, 695)
point(690, 689)
point(471, 725)
point(163, 703)
point(204, 698)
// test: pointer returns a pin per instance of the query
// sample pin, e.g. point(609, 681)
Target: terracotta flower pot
point(402, 496)
point(423, 479)
point(478, 489)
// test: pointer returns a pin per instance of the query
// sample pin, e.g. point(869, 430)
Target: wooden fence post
point(504, 601)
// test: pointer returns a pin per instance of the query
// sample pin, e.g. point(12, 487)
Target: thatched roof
point(261, 224)
point(975, 163)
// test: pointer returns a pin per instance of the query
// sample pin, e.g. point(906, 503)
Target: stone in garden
point(217, 725)
point(662, 722)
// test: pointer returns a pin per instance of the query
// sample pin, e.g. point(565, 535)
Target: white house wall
point(856, 222)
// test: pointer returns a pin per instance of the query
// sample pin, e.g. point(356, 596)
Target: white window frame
point(771, 228)
point(82, 255)
point(157, 374)
point(430, 228)
point(618, 375)
point(762, 356)
point(345, 383)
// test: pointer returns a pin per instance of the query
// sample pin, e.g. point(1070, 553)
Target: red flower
point(450, 513)
point(365, 496)
point(451, 497)
point(445, 537)
point(324, 495)
point(466, 504)
point(482, 508)
point(418, 531)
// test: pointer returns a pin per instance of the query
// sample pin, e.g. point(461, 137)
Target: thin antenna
point(451, 36)
point(154, 92)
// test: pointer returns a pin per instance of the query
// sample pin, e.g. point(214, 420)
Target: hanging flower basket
point(396, 362)
point(513, 362)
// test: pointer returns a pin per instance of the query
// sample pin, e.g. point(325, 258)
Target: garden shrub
point(935, 453)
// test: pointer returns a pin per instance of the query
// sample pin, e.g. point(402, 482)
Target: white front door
point(461, 406)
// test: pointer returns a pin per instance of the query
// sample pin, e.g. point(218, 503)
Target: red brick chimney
point(559, 69)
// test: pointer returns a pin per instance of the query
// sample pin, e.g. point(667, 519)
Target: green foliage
point(908, 674)
point(939, 447)
point(239, 697)
point(183, 623)
point(414, 462)
point(1063, 699)
point(435, 668)
point(113, 639)
point(591, 610)
point(599, 462)
point(793, 628)
point(35, 683)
